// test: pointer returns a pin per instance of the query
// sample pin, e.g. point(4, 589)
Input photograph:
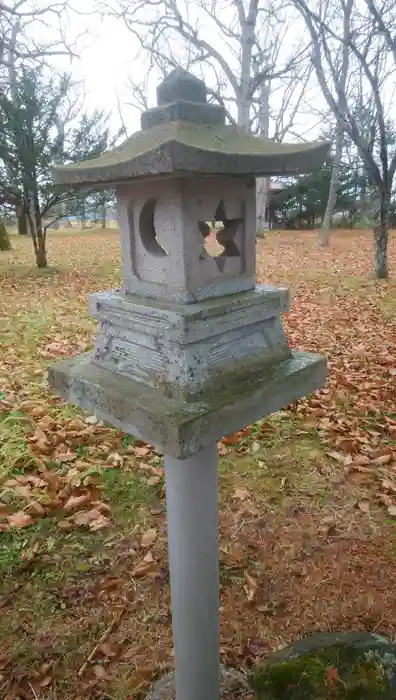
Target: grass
point(292, 533)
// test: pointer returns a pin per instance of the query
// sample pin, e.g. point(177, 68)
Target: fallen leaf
point(149, 537)
point(241, 494)
point(144, 569)
point(35, 508)
point(23, 491)
point(382, 459)
point(86, 517)
point(389, 485)
point(233, 439)
point(45, 682)
point(99, 672)
point(337, 456)
point(222, 450)
point(361, 460)
point(154, 480)
point(107, 650)
point(20, 519)
point(115, 459)
point(30, 553)
point(38, 412)
point(67, 524)
point(141, 451)
point(66, 457)
point(100, 523)
point(140, 678)
point(76, 501)
point(250, 587)
point(331, 675)
point(364, 506)
point(149, 469)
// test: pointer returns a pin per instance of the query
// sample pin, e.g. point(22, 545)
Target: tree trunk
point(262, 183)
point(22, 225)
point(381, 239)
point(38, 234)
point(21, 220)
point(324, 233)
point(41, 253)
point(5, 243)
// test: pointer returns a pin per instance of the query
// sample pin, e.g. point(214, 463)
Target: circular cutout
point(147, 229)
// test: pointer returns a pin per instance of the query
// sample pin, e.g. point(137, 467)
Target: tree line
point(281, 68)
point(273, 62)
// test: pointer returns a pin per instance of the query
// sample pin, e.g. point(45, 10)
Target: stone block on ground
point(330, 666)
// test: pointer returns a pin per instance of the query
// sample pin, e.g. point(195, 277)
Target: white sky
point(104, 64)
point(107, 57)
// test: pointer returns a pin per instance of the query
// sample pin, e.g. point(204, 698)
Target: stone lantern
point(190, 349)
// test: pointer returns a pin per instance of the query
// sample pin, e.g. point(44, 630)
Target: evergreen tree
point(31, 142)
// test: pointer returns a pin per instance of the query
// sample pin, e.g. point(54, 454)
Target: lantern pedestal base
point(180, 428)
point(230, 680)
point(186, 350)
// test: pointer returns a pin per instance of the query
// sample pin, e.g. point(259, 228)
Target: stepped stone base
point(182, 376)
point(179, 428)
point(182, 350)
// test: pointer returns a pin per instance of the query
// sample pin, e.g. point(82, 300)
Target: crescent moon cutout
point(147, 229)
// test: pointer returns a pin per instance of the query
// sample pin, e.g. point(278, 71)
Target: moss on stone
point(211, 137)
point(341, 671)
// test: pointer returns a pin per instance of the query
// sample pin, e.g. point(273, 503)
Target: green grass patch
point(14, 448)
point(278, 459)
point(128, 495)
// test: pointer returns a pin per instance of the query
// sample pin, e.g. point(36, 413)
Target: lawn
point(308, 496)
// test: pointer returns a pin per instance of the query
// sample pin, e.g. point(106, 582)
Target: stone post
point(190, 349)
point(191, 497)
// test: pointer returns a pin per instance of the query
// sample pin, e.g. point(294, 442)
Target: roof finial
point(182, 97)
point(181, 85)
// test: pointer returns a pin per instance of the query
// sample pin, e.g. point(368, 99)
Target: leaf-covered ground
point(308, 496)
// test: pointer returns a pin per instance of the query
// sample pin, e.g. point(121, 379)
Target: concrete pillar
point(192, 507)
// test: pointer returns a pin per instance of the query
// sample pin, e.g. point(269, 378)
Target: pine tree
point(31, 141)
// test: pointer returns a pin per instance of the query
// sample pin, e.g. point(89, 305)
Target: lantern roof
point(187, 136)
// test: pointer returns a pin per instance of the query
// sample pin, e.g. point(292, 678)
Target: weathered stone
point(232, 685)
point(183, 111)
point(179, 148)
point(189, 350)
point(177, 427)
point(181, 85)
point(184, 351)
point(164, 254)
point(350, 665)
point(185, 135)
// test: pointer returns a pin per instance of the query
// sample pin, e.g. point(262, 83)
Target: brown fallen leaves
point(277, 570)
point(66, 458)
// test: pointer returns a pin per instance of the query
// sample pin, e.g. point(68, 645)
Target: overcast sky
point(107, 57)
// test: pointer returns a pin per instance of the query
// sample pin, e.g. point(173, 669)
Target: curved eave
point(185, 160)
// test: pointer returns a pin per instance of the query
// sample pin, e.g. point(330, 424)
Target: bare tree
point(24, 29)
point(343, 69)
point(366, 30)
point(244, 49)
